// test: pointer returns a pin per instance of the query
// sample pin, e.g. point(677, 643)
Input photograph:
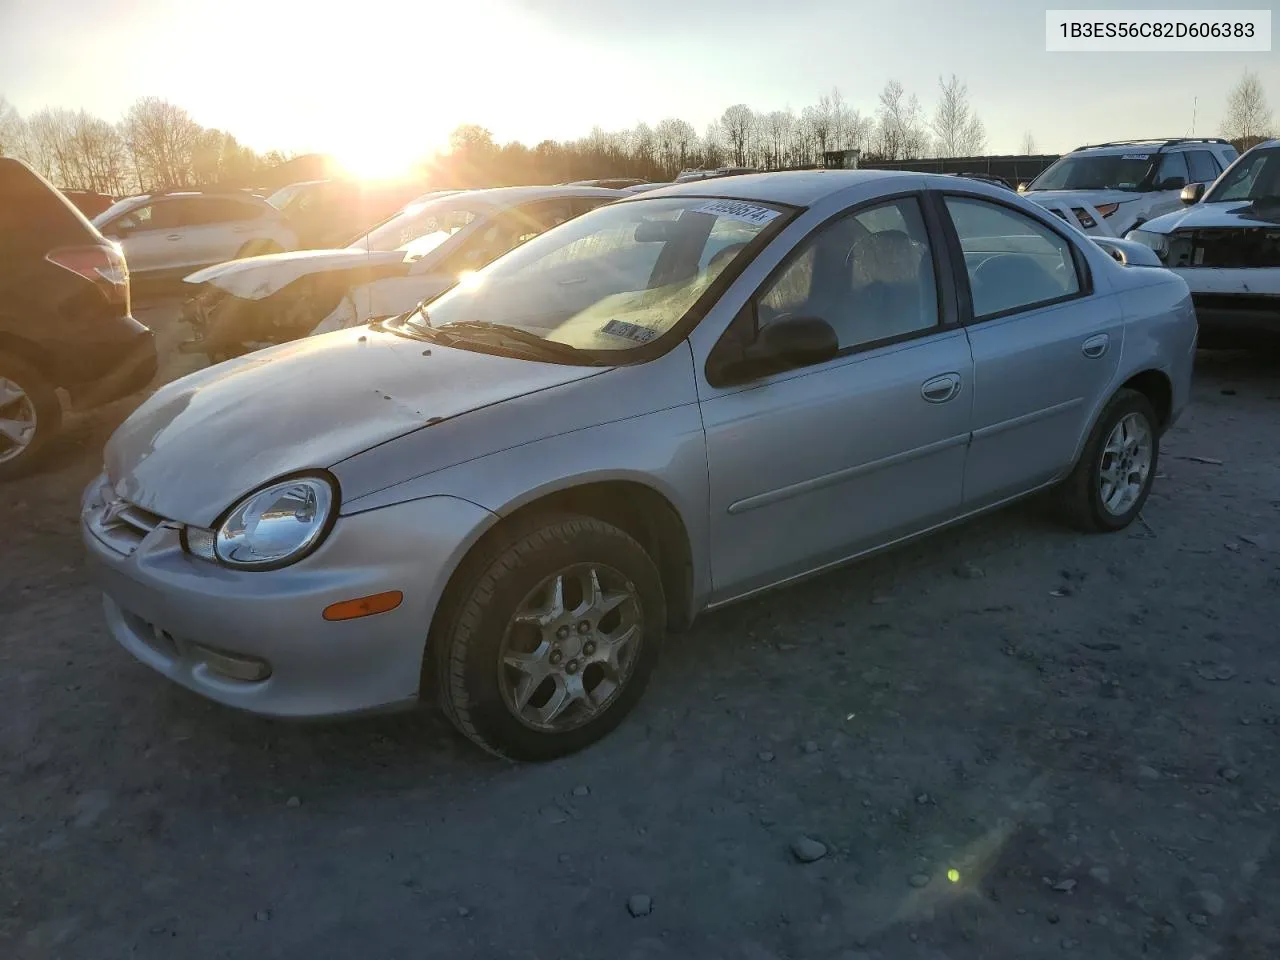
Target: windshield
point(419, 228)
point(1254, 177)
point(117, 208)
point(282, 196)
point(1117, 171)
point(610, 280)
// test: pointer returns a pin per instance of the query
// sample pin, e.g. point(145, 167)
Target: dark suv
point(64, 317)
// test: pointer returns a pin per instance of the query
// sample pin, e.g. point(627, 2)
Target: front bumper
point(1235, 300)
point(170, 609)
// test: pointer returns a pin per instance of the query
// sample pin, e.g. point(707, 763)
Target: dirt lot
point(1083, 729)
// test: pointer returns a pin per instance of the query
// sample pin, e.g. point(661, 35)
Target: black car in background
point(64, 317)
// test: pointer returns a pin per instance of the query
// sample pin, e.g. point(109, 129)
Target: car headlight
point(1155, 241)
point(271, 527)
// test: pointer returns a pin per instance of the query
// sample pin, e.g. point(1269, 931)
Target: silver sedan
point(506, 498)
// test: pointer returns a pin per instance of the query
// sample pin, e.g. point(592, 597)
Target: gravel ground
point(1009, 741)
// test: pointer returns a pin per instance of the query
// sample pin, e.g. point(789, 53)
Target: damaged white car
point(417, 254)
point(1225, 244)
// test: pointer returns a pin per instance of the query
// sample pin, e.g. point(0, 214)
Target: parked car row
point(417, 254)
point(504, 498)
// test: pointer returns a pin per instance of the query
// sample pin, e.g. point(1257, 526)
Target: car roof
point(509, 196)
point(798, 188)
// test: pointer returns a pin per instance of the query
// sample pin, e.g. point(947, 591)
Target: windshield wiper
point(480, 329)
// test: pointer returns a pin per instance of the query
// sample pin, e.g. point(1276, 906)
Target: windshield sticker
point(628, 331)
point(751, 213)
point(1136, 156)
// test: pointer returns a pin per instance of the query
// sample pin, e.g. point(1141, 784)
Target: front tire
point(1106, 490)
point(30, 415)
point(550, 638)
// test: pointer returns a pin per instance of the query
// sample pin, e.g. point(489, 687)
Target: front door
point(812, 466)
point(1045, 347)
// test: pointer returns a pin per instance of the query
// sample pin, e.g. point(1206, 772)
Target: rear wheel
point(30, 415)
point(1110, 483)
point(551, 638)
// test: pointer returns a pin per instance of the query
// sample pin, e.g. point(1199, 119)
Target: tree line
point(158, 145)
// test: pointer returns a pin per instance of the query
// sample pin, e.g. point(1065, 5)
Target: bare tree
point(160, 137)
point(96, 158)
point(1028, 144)
point(957, 130)
point(1248, 114)
point(10, 128)
point(900, 131)
point(738, 122)
point(713, 145)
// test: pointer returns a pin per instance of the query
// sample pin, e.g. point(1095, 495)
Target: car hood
point(200, 443)
point(1229, 213)
point(1074, 198)
point(255, 278)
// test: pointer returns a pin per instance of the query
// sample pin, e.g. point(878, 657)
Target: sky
point(395, 76)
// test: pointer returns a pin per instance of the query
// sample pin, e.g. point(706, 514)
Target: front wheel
point(550, 639)
point(1110, 483)
point(30, 415)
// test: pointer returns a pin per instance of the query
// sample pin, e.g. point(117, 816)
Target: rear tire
point(30, 416)
point(1086, 499)
point(579, 679)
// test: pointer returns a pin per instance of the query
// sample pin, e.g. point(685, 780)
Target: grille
point(121, 525)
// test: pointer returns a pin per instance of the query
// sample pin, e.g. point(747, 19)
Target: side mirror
point(1172, 183)
point(1022, 187)
point(786, 344)
point(1192, 193)
point(121, 228)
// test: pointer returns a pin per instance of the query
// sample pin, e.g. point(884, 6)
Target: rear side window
point(1204, 169)
point(34, 217)
point(1014, 262)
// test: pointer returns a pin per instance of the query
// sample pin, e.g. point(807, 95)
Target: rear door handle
point(941, 389)
point(1096, 346)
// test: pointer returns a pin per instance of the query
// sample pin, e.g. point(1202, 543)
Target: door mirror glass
point(1192, 193)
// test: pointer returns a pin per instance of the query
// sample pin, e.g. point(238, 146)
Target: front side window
point(1014, 262)
point(1117, 171)
point(1172, 172)
point(602, 284)
point(1255, 177)
point(869, 275)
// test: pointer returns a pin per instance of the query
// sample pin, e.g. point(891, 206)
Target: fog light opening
point(232, 666)
point(364, 606)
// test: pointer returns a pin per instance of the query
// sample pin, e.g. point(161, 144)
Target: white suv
point(167, 235)
point(1110, 188)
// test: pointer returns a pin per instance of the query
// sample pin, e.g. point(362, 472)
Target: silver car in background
point(506, 498)
point(167, 235)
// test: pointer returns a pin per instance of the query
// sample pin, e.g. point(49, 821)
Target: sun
point(375, 159)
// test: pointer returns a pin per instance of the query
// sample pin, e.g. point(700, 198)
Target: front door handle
point(942, 388)
point(174, 236)
point(1096, 346)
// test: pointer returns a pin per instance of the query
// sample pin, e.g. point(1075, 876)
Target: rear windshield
point(1117, 171)
point(35, 217)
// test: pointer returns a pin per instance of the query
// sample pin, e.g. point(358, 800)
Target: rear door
point(1045, 345)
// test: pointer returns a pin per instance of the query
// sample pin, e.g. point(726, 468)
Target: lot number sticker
point(751, 213)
